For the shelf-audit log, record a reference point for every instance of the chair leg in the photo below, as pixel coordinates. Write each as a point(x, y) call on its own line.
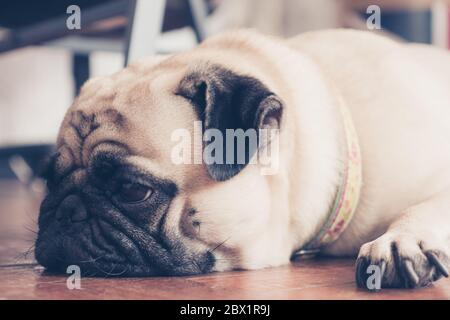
point(144, 26)
point(199, 12)
point(80, 70)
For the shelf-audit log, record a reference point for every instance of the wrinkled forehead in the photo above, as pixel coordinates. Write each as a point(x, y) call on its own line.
point(137, 110)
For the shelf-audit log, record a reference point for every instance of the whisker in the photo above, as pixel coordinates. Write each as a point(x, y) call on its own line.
point(220, 244)
point(110, 273)
point(25, 254)
point(30, 230)
point(92, 260)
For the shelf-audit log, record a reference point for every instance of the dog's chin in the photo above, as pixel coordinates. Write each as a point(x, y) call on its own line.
point(109, 244)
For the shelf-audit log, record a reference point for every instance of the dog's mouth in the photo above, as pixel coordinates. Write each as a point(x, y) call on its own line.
point(97, 248)
point(104, 242)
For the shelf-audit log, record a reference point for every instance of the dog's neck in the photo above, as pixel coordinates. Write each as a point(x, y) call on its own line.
point(316, 151)
point(347, 194)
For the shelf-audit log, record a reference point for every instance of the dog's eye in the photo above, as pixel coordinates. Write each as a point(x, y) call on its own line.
point(134, 192)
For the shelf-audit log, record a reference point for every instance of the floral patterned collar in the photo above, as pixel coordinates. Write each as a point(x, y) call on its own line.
point(347, 195)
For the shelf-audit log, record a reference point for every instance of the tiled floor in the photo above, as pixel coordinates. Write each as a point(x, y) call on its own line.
point(20, 278)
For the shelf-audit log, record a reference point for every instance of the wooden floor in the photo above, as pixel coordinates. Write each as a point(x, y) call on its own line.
point(20, 278)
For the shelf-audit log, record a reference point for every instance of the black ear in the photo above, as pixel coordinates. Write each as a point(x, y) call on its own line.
point(225, 100)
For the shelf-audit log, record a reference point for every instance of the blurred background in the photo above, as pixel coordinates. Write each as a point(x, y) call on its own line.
point(43, 64)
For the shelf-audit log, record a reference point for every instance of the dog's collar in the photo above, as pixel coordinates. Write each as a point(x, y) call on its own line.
point(347, 195)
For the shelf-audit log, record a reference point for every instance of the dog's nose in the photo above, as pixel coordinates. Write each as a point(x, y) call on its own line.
point(72, 209)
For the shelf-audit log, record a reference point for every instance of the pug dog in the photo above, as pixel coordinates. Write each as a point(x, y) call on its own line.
point(362, 136)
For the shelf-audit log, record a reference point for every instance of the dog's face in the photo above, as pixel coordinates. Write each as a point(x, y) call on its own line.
point(118, 203)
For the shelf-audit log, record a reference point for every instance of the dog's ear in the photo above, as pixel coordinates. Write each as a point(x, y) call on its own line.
point(225, 100)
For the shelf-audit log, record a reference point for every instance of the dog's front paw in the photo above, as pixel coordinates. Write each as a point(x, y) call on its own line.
point(401, 261)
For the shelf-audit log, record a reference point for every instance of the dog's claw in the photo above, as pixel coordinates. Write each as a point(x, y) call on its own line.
point(433, 258)
point(382, 268)
point(411, 275)
point(361, 267)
